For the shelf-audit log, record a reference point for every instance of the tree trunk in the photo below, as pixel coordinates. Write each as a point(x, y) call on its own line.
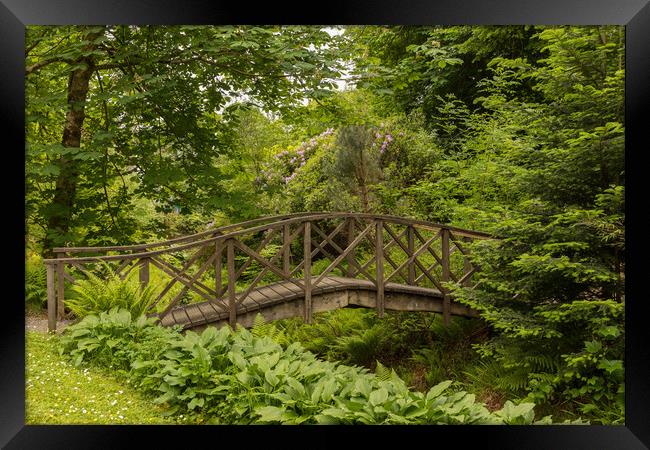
point(66, 184)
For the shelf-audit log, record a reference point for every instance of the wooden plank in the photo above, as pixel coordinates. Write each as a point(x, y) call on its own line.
point(379, 249)
point(60, 294)
point(467, 266)
point(293, 288)
point(69, 277)
point(307, 273)
point(281, 291)
point(51, 298)
point(209, 311)
point(351, 259)
point(411, 248)
point(232, 300)
point(286, 255)
point(194, 313)
point(144, 273)
point(218, 265)
point(446, 301)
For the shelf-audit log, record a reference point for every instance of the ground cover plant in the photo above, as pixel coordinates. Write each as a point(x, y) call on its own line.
point(226, 376)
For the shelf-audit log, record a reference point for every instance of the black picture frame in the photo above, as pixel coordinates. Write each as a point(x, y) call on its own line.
point(634, 14)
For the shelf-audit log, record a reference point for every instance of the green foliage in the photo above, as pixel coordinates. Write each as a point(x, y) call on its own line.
point(35, 282)
point(235, 377)
point(105, 291)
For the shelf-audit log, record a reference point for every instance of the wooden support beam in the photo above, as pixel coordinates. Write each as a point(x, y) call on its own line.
point(144, 273)
point(218, 264)
point(351, 258)
point(446, 301)
point(467, 265)
point(51, 299)
point(307, 273)
point(286, 256)
point(411, 249)
point(379, 258)
point(60, 294)
point(232, 300)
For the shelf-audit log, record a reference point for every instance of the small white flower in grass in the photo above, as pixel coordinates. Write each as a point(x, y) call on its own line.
point(121, 417)
point(114, 402)
point(83, 411)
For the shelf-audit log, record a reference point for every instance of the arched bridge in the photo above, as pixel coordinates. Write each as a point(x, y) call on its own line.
point(284, 266)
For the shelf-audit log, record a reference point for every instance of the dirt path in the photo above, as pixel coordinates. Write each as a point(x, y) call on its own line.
point(38, 322)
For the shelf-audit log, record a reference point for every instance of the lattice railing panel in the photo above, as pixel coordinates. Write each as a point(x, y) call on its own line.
point(226, 267)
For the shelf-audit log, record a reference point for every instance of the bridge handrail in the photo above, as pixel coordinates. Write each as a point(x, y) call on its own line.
point(176, 240)
point(280, 220)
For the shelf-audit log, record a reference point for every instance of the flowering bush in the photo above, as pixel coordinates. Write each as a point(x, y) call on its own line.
point(285, 165)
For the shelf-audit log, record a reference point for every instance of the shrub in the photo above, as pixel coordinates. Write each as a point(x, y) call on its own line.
point(228, 376)
point(35, 282)
point(96, 294)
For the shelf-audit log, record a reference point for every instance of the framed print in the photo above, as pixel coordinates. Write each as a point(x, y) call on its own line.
point(361, 214)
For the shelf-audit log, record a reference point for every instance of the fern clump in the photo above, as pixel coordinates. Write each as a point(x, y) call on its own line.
point(35, 282)
point(96, 294)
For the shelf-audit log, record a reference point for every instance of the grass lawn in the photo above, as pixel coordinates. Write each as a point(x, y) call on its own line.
point(59, 393)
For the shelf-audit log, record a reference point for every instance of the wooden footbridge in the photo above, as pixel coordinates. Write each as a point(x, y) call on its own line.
point(285, 266)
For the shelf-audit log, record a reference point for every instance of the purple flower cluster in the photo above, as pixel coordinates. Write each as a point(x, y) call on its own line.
point(293, 159)
point(385, 138)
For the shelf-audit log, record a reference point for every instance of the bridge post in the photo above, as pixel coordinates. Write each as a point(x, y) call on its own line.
point(144, 273)
point(307, 273)
point(467, 265)
point(60, 305)
point(232, 305)
point(446, 301)
point(411, 249)
point(218, 264)
point(379, 259)
point(286, 257)
point(351, 255)
point(51, 299)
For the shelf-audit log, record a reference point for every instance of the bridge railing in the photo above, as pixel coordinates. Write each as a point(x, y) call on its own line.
point(224, 266)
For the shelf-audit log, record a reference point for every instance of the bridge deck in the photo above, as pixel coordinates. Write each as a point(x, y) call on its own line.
point(199, 314)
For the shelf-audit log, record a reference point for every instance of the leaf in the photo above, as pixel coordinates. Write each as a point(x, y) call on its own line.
point(271, 378)
point(269, 413)
point(378, 397)
point(436, 390)
point(237, 359)
point(195, 402)
point(593, 346)
point(610, 365)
